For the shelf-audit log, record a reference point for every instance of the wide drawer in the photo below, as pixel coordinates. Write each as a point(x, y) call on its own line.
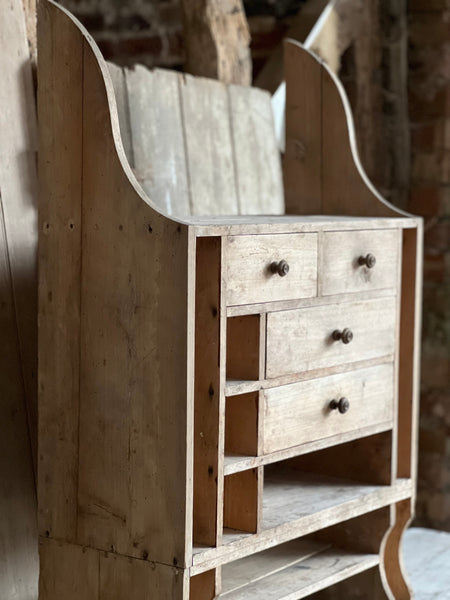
point(302, 339)
point(356, 261)
point(299, 413)
point(252, 262)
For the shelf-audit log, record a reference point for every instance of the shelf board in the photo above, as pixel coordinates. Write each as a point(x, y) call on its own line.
point(297, 506)
point(234, 463)
point(235, 387)
point(291, 571)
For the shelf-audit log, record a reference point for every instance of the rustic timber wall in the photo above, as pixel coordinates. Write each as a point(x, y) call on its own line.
point(389, 43)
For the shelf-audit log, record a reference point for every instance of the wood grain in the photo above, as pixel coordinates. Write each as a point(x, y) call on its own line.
point(340, 270)
point(257, 159)
point(60, 176)
point(209, 150)
point(207, 391)
point(302, 162)
point(300, 412)
point(159, 162)
point(249, 275)
point(301, 340)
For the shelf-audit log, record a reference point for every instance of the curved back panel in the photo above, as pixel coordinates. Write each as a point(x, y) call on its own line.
point(197, 146)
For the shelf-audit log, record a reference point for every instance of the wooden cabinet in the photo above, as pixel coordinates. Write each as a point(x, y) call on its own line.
point(228, 405)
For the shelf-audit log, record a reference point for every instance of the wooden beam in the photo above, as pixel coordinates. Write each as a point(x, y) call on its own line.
point(217, 40)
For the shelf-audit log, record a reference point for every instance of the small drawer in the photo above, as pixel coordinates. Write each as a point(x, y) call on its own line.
point(301, 412)
point(356, 261)
point(304, 339)
point(265, 268)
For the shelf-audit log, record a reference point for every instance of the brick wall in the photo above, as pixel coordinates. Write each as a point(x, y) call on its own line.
point(429, 106)
point(151, 32)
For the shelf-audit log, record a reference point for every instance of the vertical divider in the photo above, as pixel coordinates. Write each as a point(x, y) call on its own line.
point(259, 499)
point(208, 417)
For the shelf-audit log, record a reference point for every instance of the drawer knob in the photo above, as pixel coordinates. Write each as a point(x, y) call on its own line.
point(282, 268)
point(342, 405)
point(346, 335)
point(369, 260)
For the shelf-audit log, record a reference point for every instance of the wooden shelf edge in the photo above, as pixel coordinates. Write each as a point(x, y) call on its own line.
point(209, 558)
point(235, 464)
point(320, 567)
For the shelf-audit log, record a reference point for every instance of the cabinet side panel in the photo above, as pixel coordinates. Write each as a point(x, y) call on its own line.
point(133, 464)
point(61, 566)
point(60, 175)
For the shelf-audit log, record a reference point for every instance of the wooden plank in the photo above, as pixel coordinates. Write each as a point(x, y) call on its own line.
point(257, 159)
point(247, 570)
point(123, 109)
point(301, 340)
point(355, 502)
point(241, 497)
point(60, 174)
point(317, 572)
point(203, 586)
point(300, 412)
point(302, 162)
point(249, 267)
point(123, 577)
point(207, 390)
point(18, 188)
point(243, 347)
point(137, 353)
point(241, 424)
point(209, 150)
point(19, 566)
point(157, 138)
point(68, 571)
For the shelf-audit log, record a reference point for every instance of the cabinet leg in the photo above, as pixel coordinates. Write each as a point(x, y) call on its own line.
point(392, 569)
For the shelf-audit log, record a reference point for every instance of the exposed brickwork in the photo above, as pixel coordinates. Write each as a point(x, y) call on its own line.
point(429, 94)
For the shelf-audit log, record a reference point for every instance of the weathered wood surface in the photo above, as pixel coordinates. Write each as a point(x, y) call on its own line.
point(70, 572)
point(332, 162)
point(218, 153)
point(217, 40)
point(301, 340)
point(300, 413)
point(18, 310)
point(319, 571)
point(113, 415)
point(249, 275)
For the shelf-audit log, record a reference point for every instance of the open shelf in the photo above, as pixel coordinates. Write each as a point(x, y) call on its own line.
point(291, 571)
point(233, 462)
point(293, 508)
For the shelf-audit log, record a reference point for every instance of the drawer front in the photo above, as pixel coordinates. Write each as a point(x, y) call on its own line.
point(342, 253)
point(302, 339)
point(299, 413)
point(251, 262)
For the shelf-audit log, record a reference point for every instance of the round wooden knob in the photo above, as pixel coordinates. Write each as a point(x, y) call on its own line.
point(345, 336)
point(342, 405)
point(282, 268)
point(369, 260)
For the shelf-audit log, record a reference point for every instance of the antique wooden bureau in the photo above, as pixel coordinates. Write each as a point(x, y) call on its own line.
point(228, 404)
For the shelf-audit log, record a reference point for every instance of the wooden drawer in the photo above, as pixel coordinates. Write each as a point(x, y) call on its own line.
point(341, 271)
point(299, 413)
point(302, 339)
point(250, 278)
